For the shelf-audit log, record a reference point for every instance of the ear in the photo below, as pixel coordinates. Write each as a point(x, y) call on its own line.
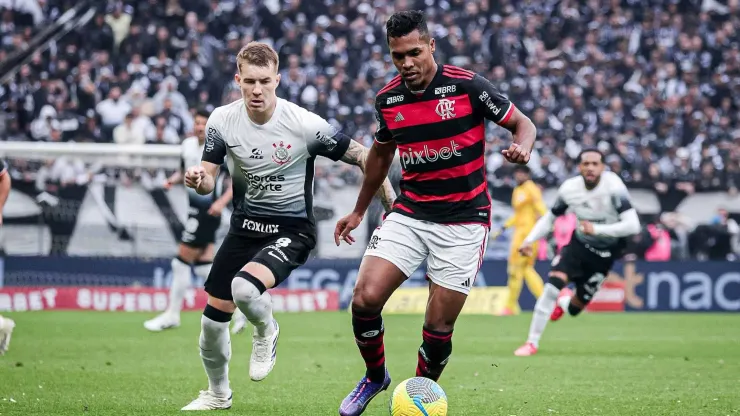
point(432, 45)
point(277, 80)
point(237, 79)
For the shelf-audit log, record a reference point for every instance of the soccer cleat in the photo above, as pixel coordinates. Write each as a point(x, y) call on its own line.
point(356, 402)
point(506, 312)
point(162, 322)
point(6, 330)
point(240, 322)
point(526, 350)
point(558, 312)
point(208, 400)
point(264, 354)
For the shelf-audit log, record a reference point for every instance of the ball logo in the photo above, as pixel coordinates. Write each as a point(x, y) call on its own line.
point(281, 155)
point(445, 109)
point(370, 334)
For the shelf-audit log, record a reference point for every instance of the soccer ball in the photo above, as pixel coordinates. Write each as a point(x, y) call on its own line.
point(418, 396)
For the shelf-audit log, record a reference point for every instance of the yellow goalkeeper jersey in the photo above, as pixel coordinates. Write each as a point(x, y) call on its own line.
point(528, 207)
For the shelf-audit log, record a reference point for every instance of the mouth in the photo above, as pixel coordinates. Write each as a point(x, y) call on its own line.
point(256, 103)
point(411, 76)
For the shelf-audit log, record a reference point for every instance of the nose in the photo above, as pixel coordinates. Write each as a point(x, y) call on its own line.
point(407, 63)
point(257, 90)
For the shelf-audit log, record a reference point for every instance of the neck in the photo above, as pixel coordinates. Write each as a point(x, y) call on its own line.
point(261, 117)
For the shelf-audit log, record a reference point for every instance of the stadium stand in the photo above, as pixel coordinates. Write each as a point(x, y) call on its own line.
point(655, 84)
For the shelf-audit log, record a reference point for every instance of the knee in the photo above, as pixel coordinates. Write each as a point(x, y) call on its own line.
point(440, 325)
point(559, 280)
point(245, 287)
point(366, 300)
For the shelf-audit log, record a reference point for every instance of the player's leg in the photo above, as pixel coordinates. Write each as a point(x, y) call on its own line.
point(515, 271)
point(394, 252)
point(533, 279)
point(202, 269)
point(181, 282)
point(455, 255)
point(6, 330)
point(268, 268)
point(575, 303)
point(215, 340)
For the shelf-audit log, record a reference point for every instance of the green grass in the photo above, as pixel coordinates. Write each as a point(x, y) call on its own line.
point(86, 363)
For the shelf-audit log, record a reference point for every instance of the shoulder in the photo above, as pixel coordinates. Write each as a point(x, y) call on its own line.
point(571, 185)
point(614, 182)
point(455, 72)
point(389, 89)
point(189, 142)
point(298, 117)
point(220, 116)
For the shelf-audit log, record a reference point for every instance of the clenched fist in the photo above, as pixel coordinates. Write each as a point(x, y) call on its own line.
point(194, 176)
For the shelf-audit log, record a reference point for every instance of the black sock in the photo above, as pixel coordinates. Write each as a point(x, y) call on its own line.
point(434, 354)
point(368, 329)
point(573, 310)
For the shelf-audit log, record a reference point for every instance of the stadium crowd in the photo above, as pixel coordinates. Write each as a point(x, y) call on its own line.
point(655, 84)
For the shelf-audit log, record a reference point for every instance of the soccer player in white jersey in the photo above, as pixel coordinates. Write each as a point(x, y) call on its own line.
point(271, 145)
point(195, 252)
point(601, 203)
point(6, 324)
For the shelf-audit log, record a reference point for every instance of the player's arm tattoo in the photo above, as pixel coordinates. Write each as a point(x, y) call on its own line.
point(356, 154)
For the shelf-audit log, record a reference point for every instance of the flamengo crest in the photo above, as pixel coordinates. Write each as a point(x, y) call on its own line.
point(445, 108)
point(281, 155)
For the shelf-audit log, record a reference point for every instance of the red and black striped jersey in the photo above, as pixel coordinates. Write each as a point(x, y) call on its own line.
point(440, 136)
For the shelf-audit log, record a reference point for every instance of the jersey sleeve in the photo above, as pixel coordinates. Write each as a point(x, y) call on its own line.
point(560, 206)
point(489, 101)
point(621, 198)
point(214, 150)
point(323, 139)
point(382, 134)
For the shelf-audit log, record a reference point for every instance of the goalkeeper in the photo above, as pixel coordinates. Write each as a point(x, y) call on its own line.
point(528, 207)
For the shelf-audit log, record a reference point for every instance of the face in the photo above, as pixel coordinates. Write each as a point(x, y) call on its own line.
point(258, 85)
point(200, 127)
point(591, 167)
point(520, 177)
point(413, 56)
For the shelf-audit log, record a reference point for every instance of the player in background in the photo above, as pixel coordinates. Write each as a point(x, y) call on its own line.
point(528, 207)
point(601, 203)
point(6, 324)
point(271, 146)
point(435, 116)
point(195, 252)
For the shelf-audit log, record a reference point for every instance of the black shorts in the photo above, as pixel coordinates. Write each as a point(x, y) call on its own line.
point(281, 253)
point(200, 229)
point(586, 268)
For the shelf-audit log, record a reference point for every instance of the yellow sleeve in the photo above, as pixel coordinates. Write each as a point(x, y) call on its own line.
point(535, 198)
point(510, 221)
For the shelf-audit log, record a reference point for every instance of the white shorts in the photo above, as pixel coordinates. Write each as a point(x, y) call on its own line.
point(454, 252)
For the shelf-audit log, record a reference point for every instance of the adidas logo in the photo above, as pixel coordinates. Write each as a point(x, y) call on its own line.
point(398, 118)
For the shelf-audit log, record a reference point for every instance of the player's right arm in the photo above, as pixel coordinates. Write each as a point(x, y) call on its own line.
point(543, 226)
point(203, 178)
point(378, 163)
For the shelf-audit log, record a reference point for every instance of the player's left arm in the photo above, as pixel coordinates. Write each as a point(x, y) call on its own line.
point(497, 108)
point(4, 188)
point(629, 221)
point(326, 141)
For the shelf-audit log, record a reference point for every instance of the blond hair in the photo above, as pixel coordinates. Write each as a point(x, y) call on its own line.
point(258, 54)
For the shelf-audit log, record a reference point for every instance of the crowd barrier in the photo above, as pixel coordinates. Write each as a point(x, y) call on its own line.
point(31, 283)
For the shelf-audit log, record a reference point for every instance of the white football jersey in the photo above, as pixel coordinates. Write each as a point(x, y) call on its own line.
point(600, 205)
point(191, 152)
point(271, 165)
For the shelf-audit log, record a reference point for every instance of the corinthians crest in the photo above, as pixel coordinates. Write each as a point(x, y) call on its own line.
point(281, 155)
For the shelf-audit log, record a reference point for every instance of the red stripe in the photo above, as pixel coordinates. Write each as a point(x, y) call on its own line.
point(394, 82)
point(427, 334)
point(432, 148)
point(456, 172)
point(457, 197)
point(481, 254)
point(508, 114)
point(456, 75)
point(403, 207)
point(453, 68)
point(425, 112)
point(376, 364)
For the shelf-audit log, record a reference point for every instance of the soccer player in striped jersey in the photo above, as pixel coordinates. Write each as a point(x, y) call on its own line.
point(434, 115)
point(6, 324)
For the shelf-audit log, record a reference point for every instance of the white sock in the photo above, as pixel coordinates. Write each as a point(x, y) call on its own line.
point(542, 311)
point(2, 323)
point(181, 279)
point(202, 270)
point(255, 306)
point(563, 302)
point(215, 351)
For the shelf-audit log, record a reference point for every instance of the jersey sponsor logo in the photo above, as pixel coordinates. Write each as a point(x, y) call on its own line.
point(260, 227)
point(256, 154)
point(281, 155)
point(445, 90)
point(394, 99)
point(211, 136)
point(327, 141)
point(428, 155)
point(264, 183)
point(486, 100)
point(445, 109)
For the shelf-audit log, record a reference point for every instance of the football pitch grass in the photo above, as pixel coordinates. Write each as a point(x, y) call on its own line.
point(93, 363)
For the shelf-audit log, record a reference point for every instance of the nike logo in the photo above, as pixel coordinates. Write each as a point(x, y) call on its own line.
point(229, 146)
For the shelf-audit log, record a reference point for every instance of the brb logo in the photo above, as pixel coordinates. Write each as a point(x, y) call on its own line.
point(427, 155)
point(445, 109)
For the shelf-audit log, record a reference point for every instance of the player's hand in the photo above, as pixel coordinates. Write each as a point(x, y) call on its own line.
point(516, 154)
point(216, 209)
point(345, 225)
point(586, 227)
point(194, 176)
point(526, 250)
point(167, 185)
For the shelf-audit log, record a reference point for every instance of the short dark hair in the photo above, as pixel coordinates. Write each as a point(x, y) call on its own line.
point(203, 113)
point(402, 23)
point(522, 168)
point(590, 150)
